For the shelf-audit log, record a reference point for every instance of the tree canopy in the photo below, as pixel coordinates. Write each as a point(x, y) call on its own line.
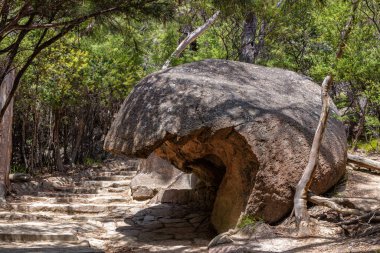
point(76, 61)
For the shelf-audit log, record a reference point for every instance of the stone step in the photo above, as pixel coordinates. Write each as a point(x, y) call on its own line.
point(38, 231)
point(123, 191)
point(115, 169)
point(112, 178)
point(17, 216)
point(77, 189)
point(101, 193)
point(70, 208)
point(65, 195)
point(78, 199)
point(13, 216)
point(48, 247)
point(104, 184)
point(114, 173)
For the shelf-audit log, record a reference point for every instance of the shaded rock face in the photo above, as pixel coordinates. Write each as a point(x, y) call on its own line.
point(244, 128)
point(162, 183)
point(156, 174)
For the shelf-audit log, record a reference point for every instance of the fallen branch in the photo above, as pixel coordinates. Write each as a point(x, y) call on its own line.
point(370, 231)
point(190, 38)
point(363, 162)
point(331, 203)
point(369, 217)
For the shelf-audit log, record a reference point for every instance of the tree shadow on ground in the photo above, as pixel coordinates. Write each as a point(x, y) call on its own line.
point(168, 228)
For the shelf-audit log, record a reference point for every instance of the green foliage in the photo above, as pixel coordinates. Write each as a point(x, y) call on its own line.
point(369, 146)
point(92, 69)
point(248, 220)
point(17, 168)
point(88, 161)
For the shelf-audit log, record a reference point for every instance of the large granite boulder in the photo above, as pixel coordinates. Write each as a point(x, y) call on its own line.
point(244, 128)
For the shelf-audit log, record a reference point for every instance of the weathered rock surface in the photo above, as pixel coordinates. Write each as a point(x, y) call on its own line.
point(247, 129)
point(155, 175)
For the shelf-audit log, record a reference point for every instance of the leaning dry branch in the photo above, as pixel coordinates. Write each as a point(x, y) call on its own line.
point(300, 197)
point(363, 162)
point(190, 38)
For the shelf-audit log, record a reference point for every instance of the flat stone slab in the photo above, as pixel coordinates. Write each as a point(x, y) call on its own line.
point(69, 209)
point(37, 231)
point(113, 173)
point(48, 247)
point(18, 216)
point(78, 199)
point(113, 177)
point(104, 184)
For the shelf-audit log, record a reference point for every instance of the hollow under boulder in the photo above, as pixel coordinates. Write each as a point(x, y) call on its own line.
point(244, 128)
point(155, 176)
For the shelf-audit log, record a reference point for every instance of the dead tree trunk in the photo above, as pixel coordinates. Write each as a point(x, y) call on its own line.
point(190, 38)
point(5, 135)
point(300, 197)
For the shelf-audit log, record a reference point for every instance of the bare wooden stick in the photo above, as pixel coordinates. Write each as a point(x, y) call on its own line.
point(300, 197)
point(190, 38)
point(363, 162)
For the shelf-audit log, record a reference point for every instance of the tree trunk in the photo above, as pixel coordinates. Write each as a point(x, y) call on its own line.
point(248, 39)
point(250, 49)
point(34, 150)
point(5, 135)
point(78, 139)
point(56, 143)
point(362, 103)
point(23, 143)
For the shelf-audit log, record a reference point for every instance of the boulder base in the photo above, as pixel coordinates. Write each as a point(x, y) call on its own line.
point(156, 175)
point(243, 129)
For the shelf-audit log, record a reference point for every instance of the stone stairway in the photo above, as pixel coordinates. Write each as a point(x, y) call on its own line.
point(70, 218)
point(95, 213)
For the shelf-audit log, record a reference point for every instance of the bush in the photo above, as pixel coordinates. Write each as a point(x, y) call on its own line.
point(370, 146)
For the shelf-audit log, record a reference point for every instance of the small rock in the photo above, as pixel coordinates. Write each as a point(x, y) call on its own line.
point(220, 239)
point(142, 193)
